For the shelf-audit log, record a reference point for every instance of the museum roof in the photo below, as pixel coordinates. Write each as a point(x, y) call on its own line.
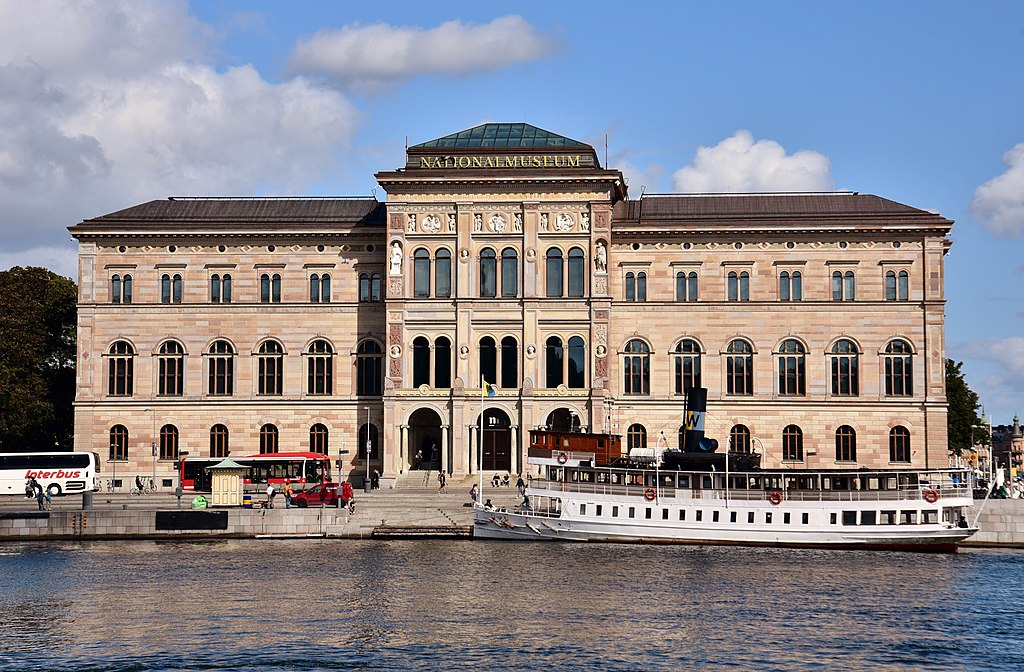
point(502, 135)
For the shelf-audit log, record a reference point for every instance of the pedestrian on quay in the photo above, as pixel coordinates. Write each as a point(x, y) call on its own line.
point(49, 500)
point(520, 485)
point(442, 483)
point(138, 484)
point(346, 493)
point(375, 480)
point(177, 493)
point(39, 494)
point(419, 460)
point(270, 496)
point(474, 493)
point(288, 495)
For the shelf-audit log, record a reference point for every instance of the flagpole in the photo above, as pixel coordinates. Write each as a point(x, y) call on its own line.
point(480, 442)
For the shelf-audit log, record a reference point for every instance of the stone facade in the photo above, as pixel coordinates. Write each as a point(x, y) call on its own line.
point(558, 348)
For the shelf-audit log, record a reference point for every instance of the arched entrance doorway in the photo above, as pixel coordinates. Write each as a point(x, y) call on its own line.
point(496, 443)
point(563, 420)
point(424, 440)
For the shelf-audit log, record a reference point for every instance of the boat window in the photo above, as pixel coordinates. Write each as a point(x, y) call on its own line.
point(908, 517)
point(868, 517)
point(808, 483)
point(664, 514)
point(930, 517)
point(682, 514)
point(684, 480)
point(750, 517)
point(705, 482)
point(700, 516)
point(873, 483)
point(849, 517)
point(632, 512)
point(598, 512)
point(768, 517)
point(785, 518)
point(583, 509)
point(647, 513)
point(890, 483)
point(615, 512)
point(714, 516)
point(832, 518)
point(732, 516)
point(805, 518)
point(826, 484)
point(888, 518)
point(755, 483)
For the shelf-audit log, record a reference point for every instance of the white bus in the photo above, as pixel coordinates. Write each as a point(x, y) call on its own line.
point(59, 473)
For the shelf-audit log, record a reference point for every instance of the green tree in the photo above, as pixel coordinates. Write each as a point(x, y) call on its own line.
point(38, 313)
point(963, 411)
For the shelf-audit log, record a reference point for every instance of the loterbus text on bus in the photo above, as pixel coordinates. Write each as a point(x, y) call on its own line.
point(58, 473)
point(273, 468)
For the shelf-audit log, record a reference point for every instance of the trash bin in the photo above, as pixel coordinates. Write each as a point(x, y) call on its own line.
point(86, 500)
point(246, 501)
point(366, 486)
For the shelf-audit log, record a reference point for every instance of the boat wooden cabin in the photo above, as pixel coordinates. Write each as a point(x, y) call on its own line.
point(606, 449)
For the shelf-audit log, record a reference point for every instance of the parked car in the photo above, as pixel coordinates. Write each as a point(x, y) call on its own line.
point(325, 494)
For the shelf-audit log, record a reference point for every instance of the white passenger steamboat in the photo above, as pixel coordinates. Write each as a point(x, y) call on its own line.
point(589, 493)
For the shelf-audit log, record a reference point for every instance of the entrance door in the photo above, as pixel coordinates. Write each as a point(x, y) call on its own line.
point(496, 446)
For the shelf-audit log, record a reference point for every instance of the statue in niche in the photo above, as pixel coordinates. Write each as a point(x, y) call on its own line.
point(543, 221)
point(585, 221)
point(451, 222)
point(396, 258)
point(412, 223)
point(497, 223)
point(478, 222)
point(431, 223)
point(563, 222)
point(601, 258)
point(517, 223)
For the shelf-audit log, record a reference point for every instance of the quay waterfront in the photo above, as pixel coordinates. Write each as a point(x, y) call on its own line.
point(398, 513)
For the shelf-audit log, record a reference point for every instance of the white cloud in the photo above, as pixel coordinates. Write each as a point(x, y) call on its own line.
point(738, 164)
point(380, 53)
point(647, 180)
point(999, 203)
point(110, 103)
point(1005, 383)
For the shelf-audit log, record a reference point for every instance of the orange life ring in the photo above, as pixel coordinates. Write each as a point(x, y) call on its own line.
point(650, 494)
point(562, 458)
point(931, 496)
point(775, 497)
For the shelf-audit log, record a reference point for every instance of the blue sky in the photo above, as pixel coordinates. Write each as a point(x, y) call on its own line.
point(114, 102)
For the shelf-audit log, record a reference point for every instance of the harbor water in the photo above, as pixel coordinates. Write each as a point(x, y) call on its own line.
point(433, 605)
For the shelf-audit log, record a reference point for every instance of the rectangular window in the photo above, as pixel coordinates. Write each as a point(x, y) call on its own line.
point(832, 518)
point(868, 517)
point(682, 514)
point(888, 518)
point(598, 511)
point(785, 518)
point(930, 517)
point(714, 516)
point(615, 512)
point(908, 517)
point(768, 517)
point(632, 512)
point(849, 517)
point(664, 514)
point(647, 513)
point(700, 515)
point(583, 509)
point(805, 518)
point(732, 516)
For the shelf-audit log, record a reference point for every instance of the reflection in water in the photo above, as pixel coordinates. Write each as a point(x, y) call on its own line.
point(248, 604)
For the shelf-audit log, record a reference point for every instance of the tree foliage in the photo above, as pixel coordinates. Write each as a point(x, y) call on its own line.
point(962, 420)
point(38, 313)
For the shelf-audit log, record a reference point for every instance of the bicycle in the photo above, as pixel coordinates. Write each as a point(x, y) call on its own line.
point(149, 487)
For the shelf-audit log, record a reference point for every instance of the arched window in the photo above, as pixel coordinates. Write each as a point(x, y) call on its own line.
point(489, 360)
point(121, 288)
point(792, 374)
point(364, 287)
point(554, 361)
point(376, 292)
point(636, 286)
point(270, 379)
point(115, 289)
point(844, 286)
point(553, 272)
point(268, 439)
point(319, 288)
point(739, 368)
point(630, 286)
point(792, 444)
point(577, 272)
point(899, 369)
point(686, 286)
point(168, 442)
point(443, 274)
point(121, 369)
point(170, 288)
point(270, 288)
point(488, 273)
point(320, 368)
point(219, 441)
point(636, 368)
point(119, 442)
point(509, 273)
point(636, 436)
point(318, 436)
point(442, 362)
point(739, 439)
point(220, 288)
point(509, 363)
point(421, 273)
point(171, 370)
point(369, 433)
point(577, 363)
point(221, 368)
point(369, 369)
point(687, 365)
point(790, 286)
point(420, 361)
point(897, 287)
point(845, 368)
point(846, 444)
point(899, 444)
point(738, 286)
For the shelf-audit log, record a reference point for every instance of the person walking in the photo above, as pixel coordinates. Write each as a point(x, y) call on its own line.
point(442, 483)
point(288, 495)
point(474, 493)
point(270, 496)
point(520, 485)
point(375, 480)
point(38, 488)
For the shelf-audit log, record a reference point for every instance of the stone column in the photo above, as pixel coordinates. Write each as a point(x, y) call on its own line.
point(473, 448)
point(402, 443)
point(445, 433)
point(517, 459)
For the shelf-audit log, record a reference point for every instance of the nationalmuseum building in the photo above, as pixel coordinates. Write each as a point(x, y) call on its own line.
point(508, 254)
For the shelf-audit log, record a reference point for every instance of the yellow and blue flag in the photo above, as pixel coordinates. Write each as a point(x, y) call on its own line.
point(490, 390)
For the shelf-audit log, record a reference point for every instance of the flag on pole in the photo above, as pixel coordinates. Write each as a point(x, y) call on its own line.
point(490, 390)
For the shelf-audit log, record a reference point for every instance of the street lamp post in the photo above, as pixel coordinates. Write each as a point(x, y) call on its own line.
point(368, 444)
point(152, 444)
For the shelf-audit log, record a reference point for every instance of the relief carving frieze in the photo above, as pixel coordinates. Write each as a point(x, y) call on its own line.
point(601, 367)
point(395, 334)
point(395, 288)
point(395, 368)
point(397, 222)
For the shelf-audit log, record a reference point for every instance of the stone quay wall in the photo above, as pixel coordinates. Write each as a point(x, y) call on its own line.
point(1001, 523)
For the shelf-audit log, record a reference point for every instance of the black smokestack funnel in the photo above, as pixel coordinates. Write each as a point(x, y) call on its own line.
point(696, 408)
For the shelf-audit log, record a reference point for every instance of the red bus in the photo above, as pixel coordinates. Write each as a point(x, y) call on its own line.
point(273, 468)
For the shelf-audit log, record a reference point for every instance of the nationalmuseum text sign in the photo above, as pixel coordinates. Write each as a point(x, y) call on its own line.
point(508, 161)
